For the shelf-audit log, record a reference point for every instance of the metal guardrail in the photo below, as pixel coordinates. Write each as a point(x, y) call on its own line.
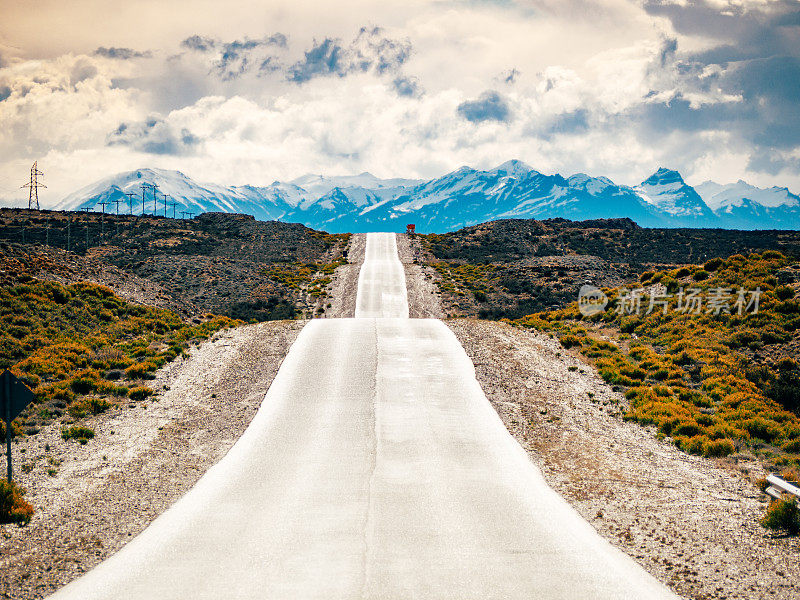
point(778, 488)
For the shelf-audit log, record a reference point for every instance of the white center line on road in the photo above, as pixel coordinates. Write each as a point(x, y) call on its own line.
point(374, 469)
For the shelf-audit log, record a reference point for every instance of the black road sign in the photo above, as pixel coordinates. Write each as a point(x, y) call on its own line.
point(14, 397)
point(21, 396)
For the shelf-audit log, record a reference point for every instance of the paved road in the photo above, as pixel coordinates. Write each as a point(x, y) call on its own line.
point(375, 469)
point(382, 280)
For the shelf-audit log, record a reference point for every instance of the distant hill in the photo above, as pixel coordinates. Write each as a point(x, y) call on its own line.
point(458, 199)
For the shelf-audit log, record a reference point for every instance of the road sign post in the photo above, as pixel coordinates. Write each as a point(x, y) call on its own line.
point(15, 397)
point(7, 411)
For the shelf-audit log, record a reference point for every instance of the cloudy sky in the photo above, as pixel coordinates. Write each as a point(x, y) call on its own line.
point(254, 91)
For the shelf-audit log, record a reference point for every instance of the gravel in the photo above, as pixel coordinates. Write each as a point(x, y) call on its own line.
point(344, 285)
point(423, 294)
point(142, 459)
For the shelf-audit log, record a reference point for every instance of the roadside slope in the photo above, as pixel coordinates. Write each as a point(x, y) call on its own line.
point(344, 287)
point(423, 294)
point(143, 459)
point(690, 521)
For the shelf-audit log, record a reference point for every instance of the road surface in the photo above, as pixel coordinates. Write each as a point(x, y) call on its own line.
point(374, 469)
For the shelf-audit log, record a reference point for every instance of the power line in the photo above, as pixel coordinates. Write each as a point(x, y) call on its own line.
point(33, 187)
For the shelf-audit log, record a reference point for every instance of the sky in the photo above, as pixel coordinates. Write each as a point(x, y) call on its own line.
point(257, 91)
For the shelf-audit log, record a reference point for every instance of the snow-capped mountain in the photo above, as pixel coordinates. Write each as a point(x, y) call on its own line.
point(513, 190)
point(745, 206)
point(463, 197)
point(319, 185)
point(266, 203)
point(670, 194)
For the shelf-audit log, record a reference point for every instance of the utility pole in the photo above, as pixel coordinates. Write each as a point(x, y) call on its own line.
point(33, 187)
point(104, 203)
point(130, 196)
point(116, 202)
point(173, 204)
point(144, 187)
point(155, 193)
point(165, 205)
point(7, 402)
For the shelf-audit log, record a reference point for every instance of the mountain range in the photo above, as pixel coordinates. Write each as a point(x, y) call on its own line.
point(458, 199)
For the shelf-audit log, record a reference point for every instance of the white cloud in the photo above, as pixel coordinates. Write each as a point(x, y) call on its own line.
point(585, 75)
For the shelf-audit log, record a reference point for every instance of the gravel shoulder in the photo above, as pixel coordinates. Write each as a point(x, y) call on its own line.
point(343, 288)
point(142, 459)
point(690, 521)
point(423, 294)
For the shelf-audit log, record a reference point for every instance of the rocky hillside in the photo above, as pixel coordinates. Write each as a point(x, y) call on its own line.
point(511, 268)
point(216, 262)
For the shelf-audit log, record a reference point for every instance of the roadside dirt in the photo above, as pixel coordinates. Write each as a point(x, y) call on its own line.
point(344, 285)
point(423, 294)
point(90, 500)
point(690, 521)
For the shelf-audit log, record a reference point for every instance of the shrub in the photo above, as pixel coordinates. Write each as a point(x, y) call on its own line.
point(782, 515)
point(718, 448)
point(693, 445)
point(700, 275)
point(792, 446)
point(93, 406)
point(77, 432)
point(687, 428)
point(784, 292)
point(140, 393)
point(13, 507)
point(569, 341)
point(114, 374)
point(83, 384)
point(761, 428)
point(138, 370)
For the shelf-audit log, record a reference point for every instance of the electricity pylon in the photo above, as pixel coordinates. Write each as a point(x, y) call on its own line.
point(33, 187)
